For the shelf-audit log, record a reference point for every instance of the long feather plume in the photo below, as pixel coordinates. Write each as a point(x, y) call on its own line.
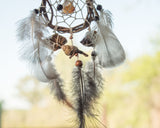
point(94, 88)
point(109, 50)
point(32, 31)
point(79, 96)
point(85, 101)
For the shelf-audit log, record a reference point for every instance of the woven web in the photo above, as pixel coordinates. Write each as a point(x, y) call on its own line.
point(68, 20)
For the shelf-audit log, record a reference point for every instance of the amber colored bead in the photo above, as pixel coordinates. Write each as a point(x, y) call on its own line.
point(79, 63)
point(68, 7)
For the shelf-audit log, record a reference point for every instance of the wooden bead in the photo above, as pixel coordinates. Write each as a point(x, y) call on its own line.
point(99, 7)
point(59, 7)
point(71, 37)
point(79, 63)
point(36, 11)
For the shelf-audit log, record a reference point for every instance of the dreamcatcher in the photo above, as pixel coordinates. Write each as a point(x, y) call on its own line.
point(44, 32)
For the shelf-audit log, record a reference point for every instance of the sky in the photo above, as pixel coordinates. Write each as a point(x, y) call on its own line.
point(135, 23)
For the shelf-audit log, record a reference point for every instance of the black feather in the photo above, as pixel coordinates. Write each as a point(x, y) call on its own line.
point(86, 91)
point(78, 95)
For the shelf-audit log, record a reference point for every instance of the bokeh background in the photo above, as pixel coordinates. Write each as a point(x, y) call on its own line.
point(131, 97)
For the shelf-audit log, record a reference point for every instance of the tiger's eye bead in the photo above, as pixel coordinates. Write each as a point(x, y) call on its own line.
point(59, 7)
point(99, 7)
point(68, 7)
point(79, 63)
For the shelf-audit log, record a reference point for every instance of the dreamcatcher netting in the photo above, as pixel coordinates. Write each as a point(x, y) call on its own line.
point(46, 30)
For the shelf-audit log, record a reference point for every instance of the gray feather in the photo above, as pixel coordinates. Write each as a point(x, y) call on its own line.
point(33, 31)
point(110, 51)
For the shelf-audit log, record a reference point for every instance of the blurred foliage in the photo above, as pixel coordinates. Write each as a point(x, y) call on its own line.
point(133, 94)
point(31, 90)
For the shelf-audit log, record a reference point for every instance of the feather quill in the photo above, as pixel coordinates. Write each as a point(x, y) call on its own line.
point(32, 31)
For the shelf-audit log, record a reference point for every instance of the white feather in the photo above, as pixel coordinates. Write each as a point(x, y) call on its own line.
point(35, 50)
point(109, 50)
point(107, 17)
point(32, 31)
point(31, 27)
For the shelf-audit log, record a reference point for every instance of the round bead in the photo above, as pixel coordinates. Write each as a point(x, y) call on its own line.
point(96, 18)
point(79, 63)
point(99, 7)
point(36, 11)
point(71, 37)
point(59, 7)
point(93, 54)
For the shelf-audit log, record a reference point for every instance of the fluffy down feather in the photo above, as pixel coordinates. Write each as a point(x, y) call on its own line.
point(31, 27)
point(32, 31)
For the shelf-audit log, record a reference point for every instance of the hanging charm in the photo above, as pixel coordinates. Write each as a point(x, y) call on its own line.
point(70, 50)
point(45, 31)
point(56, 41)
